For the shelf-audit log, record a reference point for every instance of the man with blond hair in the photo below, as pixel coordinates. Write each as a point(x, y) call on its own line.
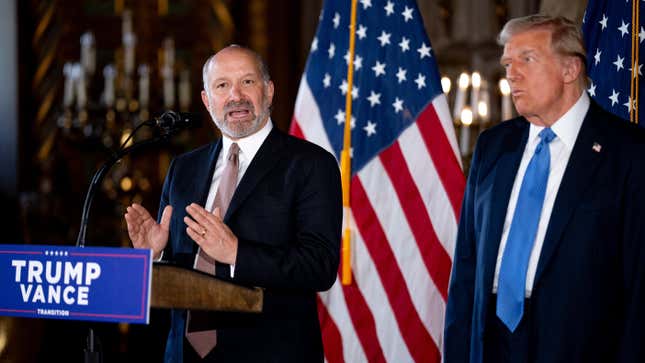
point(550, 258)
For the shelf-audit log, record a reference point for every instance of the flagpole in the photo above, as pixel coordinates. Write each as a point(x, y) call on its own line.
point(633, 108)
point(345, 160)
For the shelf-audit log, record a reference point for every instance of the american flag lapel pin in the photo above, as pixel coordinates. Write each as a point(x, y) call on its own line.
point(596, 147)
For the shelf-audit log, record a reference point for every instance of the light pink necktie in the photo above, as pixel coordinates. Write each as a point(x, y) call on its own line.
point(205, 341)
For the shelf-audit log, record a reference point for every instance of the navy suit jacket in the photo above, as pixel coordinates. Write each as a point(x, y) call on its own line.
point(588, 299)
point(286, 213)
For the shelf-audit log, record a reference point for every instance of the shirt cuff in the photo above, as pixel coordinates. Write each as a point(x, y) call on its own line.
point(232, 270)
point(158, 259)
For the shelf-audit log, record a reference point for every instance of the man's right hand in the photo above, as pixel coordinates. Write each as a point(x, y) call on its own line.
point(144, 231)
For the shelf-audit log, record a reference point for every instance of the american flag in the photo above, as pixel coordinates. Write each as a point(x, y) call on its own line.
point(607, 28)
point(406, 185)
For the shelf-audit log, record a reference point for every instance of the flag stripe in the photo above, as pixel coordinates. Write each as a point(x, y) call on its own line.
point(419, 342)
point(295, 129)
point(388, 209)
point(363, 322)
point(368, 281)
point(331, 335)
point(334, 300)
point(306, 110)
point(442, 109)
point(444, 160)
point(431, 188)
point(437, 261)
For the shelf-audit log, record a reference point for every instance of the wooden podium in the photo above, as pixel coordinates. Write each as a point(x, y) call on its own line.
point(178, 287)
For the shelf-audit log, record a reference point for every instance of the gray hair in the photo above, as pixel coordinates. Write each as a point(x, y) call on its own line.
point(262, 66)
point(566, 37)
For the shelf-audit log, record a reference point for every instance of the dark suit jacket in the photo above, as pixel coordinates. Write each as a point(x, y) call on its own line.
point(588, 299)
point(286, 213)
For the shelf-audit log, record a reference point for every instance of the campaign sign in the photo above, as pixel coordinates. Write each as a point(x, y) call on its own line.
point(76, 283)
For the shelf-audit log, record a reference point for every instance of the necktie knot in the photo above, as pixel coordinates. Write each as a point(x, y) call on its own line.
point(547, 135)
point(233, 151)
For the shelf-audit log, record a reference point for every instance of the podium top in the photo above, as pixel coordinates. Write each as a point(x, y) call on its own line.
point(178, 287)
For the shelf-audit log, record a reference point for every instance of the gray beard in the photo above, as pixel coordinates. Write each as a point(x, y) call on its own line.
point(238, 133)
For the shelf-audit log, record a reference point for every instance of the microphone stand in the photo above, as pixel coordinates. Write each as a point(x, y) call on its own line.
point(91, 353)
point(167, 129)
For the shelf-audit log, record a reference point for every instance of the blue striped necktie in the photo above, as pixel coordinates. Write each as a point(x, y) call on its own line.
point(515, 260)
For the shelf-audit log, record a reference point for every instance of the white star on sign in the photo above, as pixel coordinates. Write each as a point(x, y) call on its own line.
point(361, 32)
point(405, 44)
point(614, 97)
point(424, 51)
point(370, 128)
point(603, 22)
point(389, 8)
point(623, 29)
point(618, 63)
point(420, 81)
point(374, 98)
point(398, 105)
point(596, 56)
point(354, 92)
point(641, 35)
point(384, 38)
point(327, 80)
point(331, 51)
point(379, 69)
point(407, 14)
point(314, 45)
point(400, 75)
point(366, 3)
point(592, 90)
point(336, 20)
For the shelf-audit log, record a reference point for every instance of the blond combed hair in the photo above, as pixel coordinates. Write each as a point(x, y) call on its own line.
point(566, 37)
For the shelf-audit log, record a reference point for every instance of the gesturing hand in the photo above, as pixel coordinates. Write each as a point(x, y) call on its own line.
point(144, 231)
point(211, 234)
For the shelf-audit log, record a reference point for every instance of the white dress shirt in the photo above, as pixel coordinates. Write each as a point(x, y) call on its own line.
point(249, 146)
point(566, 129)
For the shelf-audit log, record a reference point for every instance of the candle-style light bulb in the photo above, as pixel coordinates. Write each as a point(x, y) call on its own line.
point(445, 84)
point(466, 121)
point(464, 81)
point(505, 89)
point(460, 98)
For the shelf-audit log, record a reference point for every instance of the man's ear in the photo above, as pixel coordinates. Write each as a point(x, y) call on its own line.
point(571, 69)
point(270, 91)
point(205, 100)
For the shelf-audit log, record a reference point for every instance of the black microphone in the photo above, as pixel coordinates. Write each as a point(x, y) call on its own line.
point(175, 121)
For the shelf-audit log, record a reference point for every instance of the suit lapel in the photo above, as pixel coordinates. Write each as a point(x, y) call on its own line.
point(204, 176)
point(267, 156)
point(581, 167)
point(200, 178)
point(505, 170)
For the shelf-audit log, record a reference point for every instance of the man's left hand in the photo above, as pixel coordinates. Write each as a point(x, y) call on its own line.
point(211, 234)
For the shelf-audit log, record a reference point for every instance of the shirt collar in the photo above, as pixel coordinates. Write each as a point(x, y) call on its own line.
point(249, 145)
point(566, 128)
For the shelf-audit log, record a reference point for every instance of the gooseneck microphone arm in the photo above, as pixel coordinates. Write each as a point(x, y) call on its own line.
point(169, 123)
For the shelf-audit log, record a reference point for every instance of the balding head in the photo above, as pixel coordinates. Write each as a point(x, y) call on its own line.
point(263, 69)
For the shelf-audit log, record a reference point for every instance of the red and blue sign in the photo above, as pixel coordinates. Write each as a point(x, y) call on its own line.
point(72, 283)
